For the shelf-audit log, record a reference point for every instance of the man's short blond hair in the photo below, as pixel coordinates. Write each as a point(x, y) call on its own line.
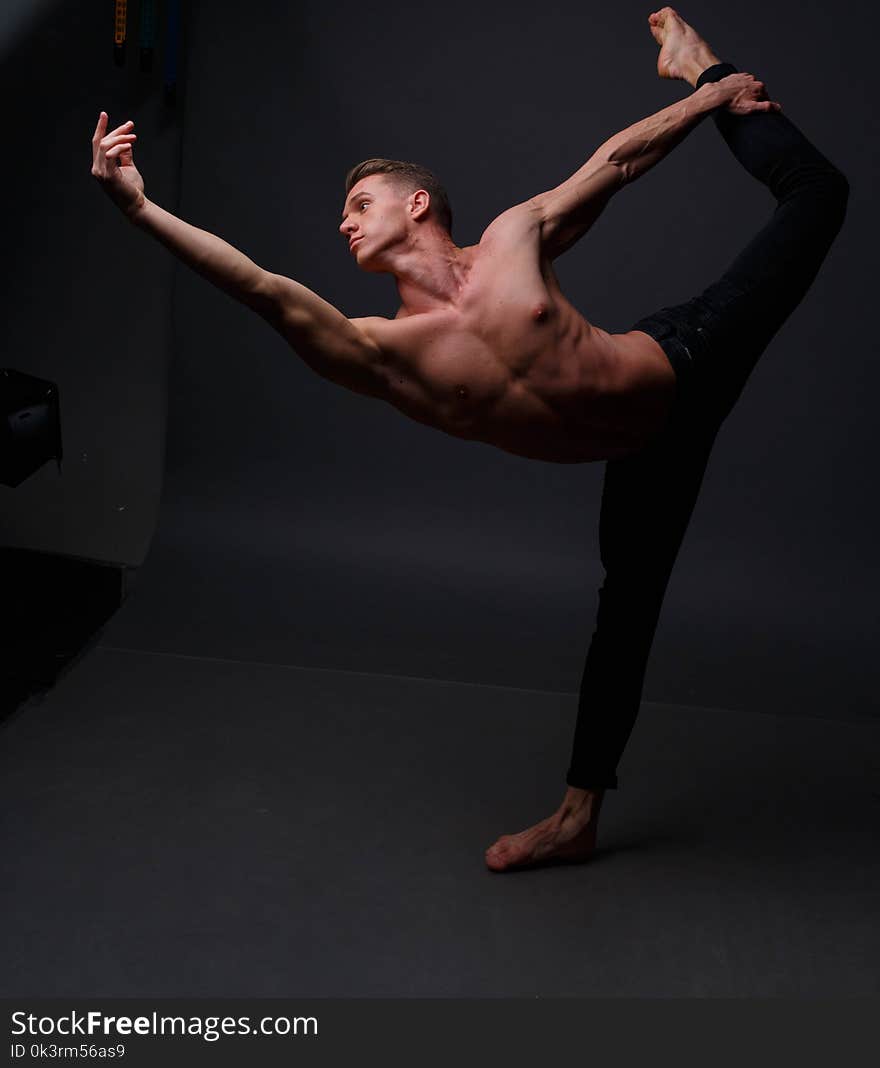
point(410, 177)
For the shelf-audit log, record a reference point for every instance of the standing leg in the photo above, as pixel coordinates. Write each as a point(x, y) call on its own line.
point(647, 502)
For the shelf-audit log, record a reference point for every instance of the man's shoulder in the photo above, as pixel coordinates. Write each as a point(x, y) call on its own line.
point(365, 321)
point(371, 327)
point(512, 224)
point(384, 332)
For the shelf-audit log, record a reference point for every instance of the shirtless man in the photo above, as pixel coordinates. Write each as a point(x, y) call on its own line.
point(485, 346)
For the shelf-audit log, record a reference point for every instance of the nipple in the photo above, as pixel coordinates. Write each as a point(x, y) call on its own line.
point(540, 312)
point(462, 392)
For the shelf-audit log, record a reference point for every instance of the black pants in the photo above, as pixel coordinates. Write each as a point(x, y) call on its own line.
point(713, 342)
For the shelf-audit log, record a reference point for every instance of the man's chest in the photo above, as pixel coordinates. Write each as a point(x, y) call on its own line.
point(506, 314)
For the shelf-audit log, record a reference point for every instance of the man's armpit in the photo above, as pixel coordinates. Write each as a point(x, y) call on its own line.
point(335, 347)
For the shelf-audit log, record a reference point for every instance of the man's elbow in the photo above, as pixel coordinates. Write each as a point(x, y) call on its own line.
point(263, 294)
point(538, 207)
point(549, 214)
point(627, 172)
point(625, 159)
point(622, 170)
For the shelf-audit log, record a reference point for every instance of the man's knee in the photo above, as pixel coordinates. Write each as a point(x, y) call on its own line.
point(817, 179)
point(830, 198)
point(835, 186)
point(839, 191)
point(821, 197)
point(839, 182)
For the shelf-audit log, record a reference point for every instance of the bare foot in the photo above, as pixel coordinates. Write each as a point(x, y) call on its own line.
point(568, 836)
point(683, 52)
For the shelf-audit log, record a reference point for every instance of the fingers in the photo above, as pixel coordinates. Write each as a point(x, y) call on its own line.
point(749, 107)
point(111, 147)
point(112, 142)
point(747, 81)
point(117, 150)
point(101, 128)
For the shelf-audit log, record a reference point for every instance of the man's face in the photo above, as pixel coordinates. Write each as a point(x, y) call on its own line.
point(374, 220)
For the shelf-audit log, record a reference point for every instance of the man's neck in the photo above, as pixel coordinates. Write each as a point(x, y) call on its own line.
point(430, 276)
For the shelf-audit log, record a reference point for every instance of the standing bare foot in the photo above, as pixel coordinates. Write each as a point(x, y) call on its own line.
point(569, 835)
point(683, 53)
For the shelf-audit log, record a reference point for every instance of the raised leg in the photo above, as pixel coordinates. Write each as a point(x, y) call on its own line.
point(774, 271)
point(729, 325)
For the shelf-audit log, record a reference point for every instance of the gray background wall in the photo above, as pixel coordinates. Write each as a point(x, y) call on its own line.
point(85, 303)
point(301, 524)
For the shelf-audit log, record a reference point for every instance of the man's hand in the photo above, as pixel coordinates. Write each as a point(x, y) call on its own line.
point(743, 94)
point(113, 165)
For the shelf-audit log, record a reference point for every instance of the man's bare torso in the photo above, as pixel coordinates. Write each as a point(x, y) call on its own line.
point(512, 363)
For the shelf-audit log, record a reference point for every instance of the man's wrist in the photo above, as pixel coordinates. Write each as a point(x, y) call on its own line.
point(710, 95)
point(134, 214)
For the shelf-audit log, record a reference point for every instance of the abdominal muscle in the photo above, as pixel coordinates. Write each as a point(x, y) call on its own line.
point(621, 403)
point(514, 364)
point(546, 384)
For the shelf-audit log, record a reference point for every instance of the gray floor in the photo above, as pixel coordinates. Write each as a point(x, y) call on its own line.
point(187, 826)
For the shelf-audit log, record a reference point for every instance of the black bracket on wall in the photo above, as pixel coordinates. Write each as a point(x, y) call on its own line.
point(30, 425)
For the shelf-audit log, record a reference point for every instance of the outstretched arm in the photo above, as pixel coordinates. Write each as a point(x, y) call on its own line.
point(569, 210)
point(332, 345)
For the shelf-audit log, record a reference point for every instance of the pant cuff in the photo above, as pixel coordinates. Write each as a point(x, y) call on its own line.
point(586, 780)
point(715, 73)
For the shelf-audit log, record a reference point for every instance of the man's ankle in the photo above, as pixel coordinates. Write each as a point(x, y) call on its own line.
point(578, 801)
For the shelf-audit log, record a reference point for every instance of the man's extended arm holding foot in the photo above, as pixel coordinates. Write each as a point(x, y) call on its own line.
point(569, 210)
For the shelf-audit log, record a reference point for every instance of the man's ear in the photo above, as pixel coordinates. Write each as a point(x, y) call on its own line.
point(419, 202)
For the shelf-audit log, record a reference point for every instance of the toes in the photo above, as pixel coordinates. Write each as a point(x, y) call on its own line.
point(496, 857)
